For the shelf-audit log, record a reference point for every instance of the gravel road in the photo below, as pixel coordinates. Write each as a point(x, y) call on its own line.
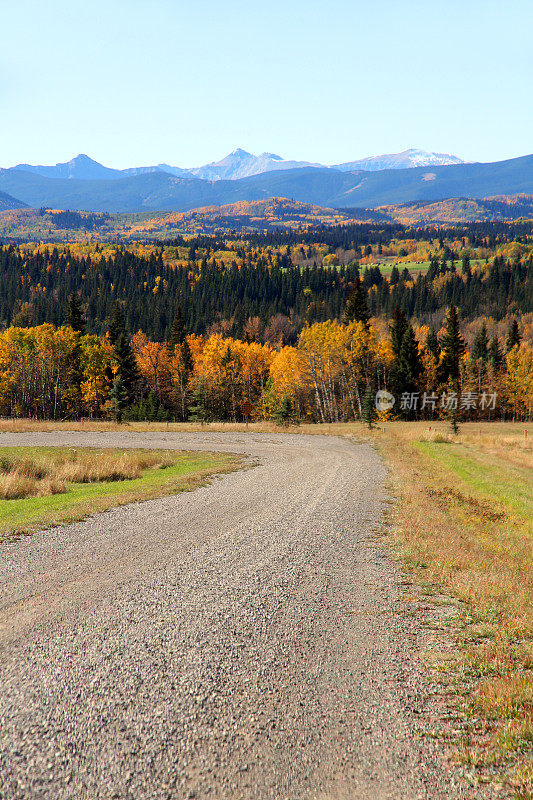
point(245, 640)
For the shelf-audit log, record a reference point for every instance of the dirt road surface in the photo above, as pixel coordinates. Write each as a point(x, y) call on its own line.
point(245, 640)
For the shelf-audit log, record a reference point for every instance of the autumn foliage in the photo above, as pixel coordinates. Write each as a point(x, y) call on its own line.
point(58, 373)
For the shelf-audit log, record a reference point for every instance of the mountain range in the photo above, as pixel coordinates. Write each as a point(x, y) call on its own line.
point(84, 184)
point(237, 164)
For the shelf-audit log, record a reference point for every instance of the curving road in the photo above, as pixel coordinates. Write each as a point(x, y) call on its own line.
point(244, 640)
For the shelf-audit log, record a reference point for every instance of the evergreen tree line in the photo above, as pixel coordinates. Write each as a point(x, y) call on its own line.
point(236, 280)
point(34, 288)
point(505, 286)
point(356, 235)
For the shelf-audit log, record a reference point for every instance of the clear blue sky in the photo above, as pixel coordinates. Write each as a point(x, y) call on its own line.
point(133, 82)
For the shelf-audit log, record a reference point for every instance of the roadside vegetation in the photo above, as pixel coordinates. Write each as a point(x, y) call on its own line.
point(42, 486)
point(464, 526)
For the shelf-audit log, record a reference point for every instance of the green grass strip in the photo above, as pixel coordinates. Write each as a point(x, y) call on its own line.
point(83, 499)
point(486, 478)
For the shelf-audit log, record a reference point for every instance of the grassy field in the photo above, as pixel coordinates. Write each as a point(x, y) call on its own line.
point(463, 525)
point(41, 486)
point(416, 267)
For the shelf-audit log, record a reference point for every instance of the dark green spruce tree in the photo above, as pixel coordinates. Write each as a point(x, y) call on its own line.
point(117, 324)
point(480, 348)
point(397, 328)
point(76, 319)
point(127, 367)
point(178, 341)
point(433, 270)
point(178, 331)
point(74, 314)
point(432, 344)
point(369, 407)
point(400, 380)
point(199, 407)
point(513, 336)
point(409, 361)
point(357, 305)
point(118, 397)
point(284, 413)
point(394, 276)
point(495, 355)
point(179, 346)
point(407, 369)
point(453, 348)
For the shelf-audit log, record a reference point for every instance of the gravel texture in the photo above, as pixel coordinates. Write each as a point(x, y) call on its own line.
point(245, 640)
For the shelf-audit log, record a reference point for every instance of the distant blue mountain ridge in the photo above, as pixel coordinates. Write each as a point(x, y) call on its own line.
point(237, 164)
point(84, 184)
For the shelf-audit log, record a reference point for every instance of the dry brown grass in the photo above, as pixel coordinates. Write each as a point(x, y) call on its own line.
point(25, 477)
point(103, 479)
point(103, 426)
point(13, 486)
point(90, 468)
point(47, 473)
point(463, 525)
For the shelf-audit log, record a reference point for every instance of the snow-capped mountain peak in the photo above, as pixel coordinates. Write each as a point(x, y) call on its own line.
point(239, 153)
point(241, 164)
point(407, 159)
